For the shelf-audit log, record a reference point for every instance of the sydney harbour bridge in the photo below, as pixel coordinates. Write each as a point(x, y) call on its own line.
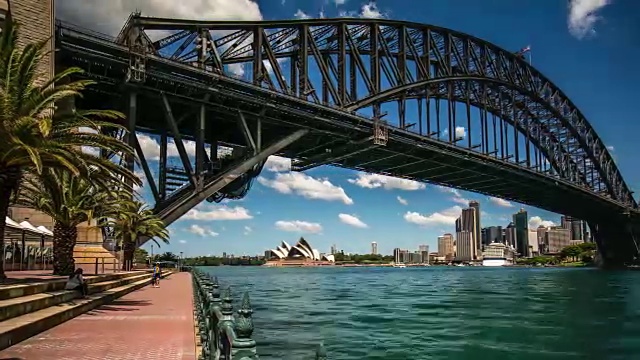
point(389, 97)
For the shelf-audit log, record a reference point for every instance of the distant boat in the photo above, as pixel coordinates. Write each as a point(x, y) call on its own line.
point(399, 265)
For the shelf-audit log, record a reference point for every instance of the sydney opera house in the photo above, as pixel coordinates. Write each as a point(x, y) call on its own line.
point(300, 254)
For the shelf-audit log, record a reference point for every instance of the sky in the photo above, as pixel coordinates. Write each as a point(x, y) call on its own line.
point(586, 47)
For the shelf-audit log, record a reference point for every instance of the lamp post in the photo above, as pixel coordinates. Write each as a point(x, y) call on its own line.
point(181, 260)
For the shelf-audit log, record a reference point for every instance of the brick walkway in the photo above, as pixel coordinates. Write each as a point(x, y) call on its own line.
point(151, 323)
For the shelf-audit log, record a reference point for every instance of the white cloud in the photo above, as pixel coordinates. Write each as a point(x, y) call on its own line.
point(306, 186)
point(371, 11)
point(301, 15)
point(461, 132)
point(402, 200)
point(218, 213)
point(298, 226)
point(457, 196)
point(202, 231)
point(352, 220)
point(371, 181)
point(278, 164)
point(182, 241)
point(142, 178)
point(109, 16)
point(583, 15)
point(536, 221)
point(500, 202)
point(444, 217)
point(339, 2)
point(611, 148)
point(248, 230)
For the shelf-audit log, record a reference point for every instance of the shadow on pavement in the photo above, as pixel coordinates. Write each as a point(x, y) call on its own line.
point(120, 305)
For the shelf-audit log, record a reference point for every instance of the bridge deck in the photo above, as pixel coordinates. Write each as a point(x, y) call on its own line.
point(151, 323)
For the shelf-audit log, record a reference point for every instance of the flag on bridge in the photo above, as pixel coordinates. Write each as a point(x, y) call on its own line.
point(524, 51)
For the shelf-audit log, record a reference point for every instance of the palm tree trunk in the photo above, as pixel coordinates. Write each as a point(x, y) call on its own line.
point(128, 249)
point(64, 240)
point(9, 179)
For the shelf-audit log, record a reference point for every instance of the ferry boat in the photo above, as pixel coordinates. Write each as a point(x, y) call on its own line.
point(399, 265)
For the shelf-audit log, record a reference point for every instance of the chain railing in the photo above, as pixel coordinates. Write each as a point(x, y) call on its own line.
point(221, 334)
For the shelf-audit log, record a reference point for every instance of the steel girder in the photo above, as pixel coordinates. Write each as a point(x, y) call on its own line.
point(354, 64)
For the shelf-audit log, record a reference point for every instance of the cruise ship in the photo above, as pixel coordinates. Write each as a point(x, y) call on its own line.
point(497, 254)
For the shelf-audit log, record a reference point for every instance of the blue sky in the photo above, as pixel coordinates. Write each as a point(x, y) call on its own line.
point(587, 49)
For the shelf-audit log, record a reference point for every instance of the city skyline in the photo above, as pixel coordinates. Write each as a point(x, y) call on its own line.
point(350, 209)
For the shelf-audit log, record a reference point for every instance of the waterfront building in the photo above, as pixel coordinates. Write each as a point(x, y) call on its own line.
point(510, 235)
point(556, 238)
point(497, 254)
point(445, 247)
point(299, 254)
point(532, 239)
point(540, 235)
point(476, 227)
point(374, 248)
point(401, 256)
point(492, 234)
point(520, 220)
point(466, 250)
point(467, 223)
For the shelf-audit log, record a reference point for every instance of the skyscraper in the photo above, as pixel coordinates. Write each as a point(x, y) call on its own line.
point(477, 228)
point(520, 220)
point(492, 234)
point(465, 250)
point(467, 222)
point(374, 248)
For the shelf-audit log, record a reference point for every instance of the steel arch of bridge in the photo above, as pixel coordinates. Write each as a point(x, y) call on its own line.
point(396, 61)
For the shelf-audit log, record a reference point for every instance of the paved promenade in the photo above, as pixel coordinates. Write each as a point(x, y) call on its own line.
point(151, 323)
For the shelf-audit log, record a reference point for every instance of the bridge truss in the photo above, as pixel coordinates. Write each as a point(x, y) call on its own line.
point(395, 98)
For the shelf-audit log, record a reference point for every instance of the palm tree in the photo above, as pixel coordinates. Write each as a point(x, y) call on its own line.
point(70, 201)
point(133, 220)
point(33, 139)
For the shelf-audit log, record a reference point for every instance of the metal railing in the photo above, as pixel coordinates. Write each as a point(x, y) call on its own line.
point(221, 334)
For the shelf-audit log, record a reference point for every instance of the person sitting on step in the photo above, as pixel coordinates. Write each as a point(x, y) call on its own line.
point(77, 282)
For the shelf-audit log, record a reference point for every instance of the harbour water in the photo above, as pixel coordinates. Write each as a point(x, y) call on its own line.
point(441, 312)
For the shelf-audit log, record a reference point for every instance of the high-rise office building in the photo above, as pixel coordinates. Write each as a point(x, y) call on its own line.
point(423, 248)
point(465, 249)
point(467, 222)
point(445, 246)
point(520, 220)
point(334, 249)
point(396, 255)
point(577, 227)
point(492, 234)
point(477, 228)
point(374, 248)
point(510, 235)
point(557, 238)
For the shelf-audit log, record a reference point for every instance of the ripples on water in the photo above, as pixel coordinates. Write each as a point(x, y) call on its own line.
point(441, 312)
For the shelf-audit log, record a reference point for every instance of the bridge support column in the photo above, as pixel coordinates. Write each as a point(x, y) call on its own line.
point(617, 245)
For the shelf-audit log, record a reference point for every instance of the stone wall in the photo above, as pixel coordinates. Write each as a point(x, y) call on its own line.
point(37, 23)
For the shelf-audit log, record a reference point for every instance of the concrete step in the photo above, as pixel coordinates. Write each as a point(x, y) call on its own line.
point(18, 290)
point(17, 329)
point(18, 306)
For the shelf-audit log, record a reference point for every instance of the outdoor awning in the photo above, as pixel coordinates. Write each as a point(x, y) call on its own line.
point(12, 224)
point(27, 226)
point(45, 230)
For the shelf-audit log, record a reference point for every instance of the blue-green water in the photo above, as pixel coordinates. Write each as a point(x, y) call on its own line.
point(441, 313)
